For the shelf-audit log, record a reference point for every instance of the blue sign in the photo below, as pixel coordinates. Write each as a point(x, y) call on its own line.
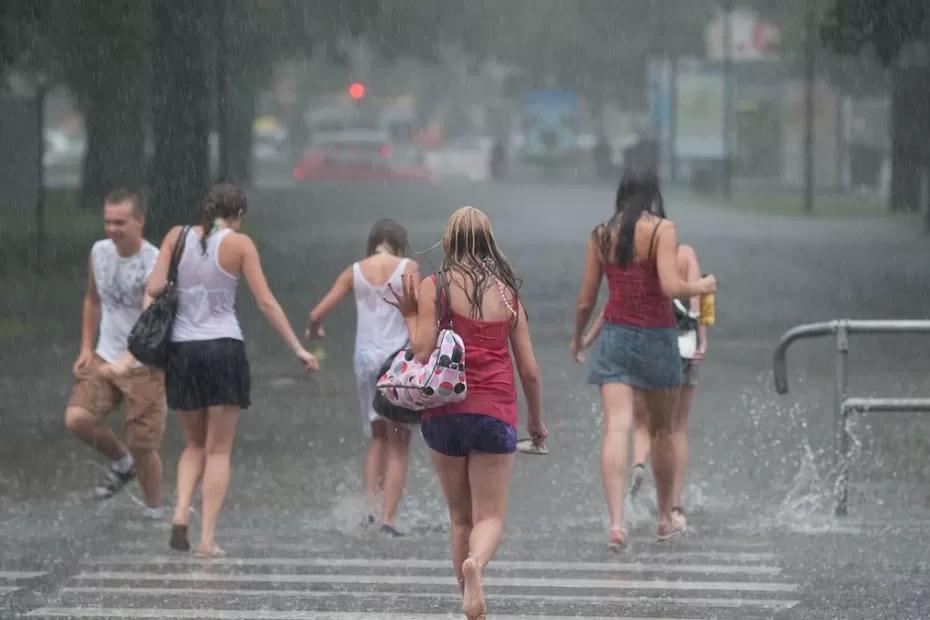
point(550, 119)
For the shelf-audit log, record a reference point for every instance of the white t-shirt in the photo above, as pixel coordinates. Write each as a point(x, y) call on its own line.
point(120, 284)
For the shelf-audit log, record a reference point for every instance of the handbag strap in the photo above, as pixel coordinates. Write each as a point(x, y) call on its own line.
point(443, 303)
point(176, 256)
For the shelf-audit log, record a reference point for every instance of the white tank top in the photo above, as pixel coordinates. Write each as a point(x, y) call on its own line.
point(380, 328)
point(206, 293)
point(120, 283)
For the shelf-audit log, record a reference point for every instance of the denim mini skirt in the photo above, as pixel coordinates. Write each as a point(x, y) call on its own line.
point(642, 357)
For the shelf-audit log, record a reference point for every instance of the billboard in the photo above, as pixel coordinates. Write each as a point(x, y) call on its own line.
point(550, 119)
point(699, 112)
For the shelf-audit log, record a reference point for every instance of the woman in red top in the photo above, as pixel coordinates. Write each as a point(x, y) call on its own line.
point(636, 357)
point(472, 443)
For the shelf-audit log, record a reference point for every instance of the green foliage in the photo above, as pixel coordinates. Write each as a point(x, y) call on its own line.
point(885, 26)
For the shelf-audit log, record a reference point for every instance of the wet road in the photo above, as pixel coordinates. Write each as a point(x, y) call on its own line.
point(763, 542)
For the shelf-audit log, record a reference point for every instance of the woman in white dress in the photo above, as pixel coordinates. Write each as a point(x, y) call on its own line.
point(380, 332)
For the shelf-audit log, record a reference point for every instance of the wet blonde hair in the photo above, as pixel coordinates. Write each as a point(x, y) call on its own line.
point(471, 250)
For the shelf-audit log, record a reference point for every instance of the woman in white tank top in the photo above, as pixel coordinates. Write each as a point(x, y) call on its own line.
point(207, 374)
point(380, 332)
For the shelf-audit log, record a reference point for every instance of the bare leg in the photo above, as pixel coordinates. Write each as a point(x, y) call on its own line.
point(641, 442)
point(375, 463)
point(85, 426)
point(191, 463)
point(148, 471)
point(680, 440)
point(663, 405)
point(395, 471)
point(453, 477)
point(221, 430)
point(489, 478)
point(617, 400)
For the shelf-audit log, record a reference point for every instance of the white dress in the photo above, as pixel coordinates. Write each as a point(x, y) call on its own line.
point(380, 331)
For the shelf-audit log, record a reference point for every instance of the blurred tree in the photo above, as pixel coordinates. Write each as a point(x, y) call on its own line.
point(249, 38)
point(898, 33)
point(179, 173)
point(97, 48)
point(102, 47)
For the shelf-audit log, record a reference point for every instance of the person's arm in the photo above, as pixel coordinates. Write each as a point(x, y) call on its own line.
point(255, 278)
point(691, 268)
point(158, 280)
point(594, 331)
point(341, 287)
point(419, 312)
point(422, 325)
point(673, 285)
point(90, 321)
point(530, 377)
point(587, 297)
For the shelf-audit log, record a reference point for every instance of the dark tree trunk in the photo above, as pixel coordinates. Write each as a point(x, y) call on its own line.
point(114, 118)
point(240, 114)
point(910, 135)
point(180, 99)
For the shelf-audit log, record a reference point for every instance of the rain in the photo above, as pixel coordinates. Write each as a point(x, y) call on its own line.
point(319, 150)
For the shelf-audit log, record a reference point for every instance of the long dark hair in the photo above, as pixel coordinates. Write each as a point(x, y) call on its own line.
point(387, 231)
point(470, 248)
point(638, 194)
point(223, 200)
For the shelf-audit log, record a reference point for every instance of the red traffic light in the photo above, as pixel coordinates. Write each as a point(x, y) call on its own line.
point(357, 91)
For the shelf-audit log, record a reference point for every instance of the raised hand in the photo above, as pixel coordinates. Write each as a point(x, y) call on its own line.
point(406, 301)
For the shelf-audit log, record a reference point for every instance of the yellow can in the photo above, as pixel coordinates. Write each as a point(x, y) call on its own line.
point(708, 309)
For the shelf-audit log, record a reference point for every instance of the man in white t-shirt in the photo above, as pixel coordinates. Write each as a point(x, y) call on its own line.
point(108, 375)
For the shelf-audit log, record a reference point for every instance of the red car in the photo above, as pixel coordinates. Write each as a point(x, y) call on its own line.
point(357, 156)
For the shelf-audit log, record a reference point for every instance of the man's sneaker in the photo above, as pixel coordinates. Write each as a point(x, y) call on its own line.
point(390, 531)
point(636, 479)
point(113, 482)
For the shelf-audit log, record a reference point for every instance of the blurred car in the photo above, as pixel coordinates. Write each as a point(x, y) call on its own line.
point(468, 157)
point(358, 155)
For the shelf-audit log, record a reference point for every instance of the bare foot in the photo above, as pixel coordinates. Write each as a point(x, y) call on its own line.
point(473, 598)
point(618, 539)
point(666, 531)
point(209, 551)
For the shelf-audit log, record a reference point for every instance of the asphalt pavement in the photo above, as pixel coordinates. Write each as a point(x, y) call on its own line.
point(762, 540)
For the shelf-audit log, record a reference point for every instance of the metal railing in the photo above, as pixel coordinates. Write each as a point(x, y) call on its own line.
point(843, 406)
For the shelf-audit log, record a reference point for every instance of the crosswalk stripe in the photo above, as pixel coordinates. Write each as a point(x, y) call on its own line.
point(763, 603)
point(667, 556)
point(13, 575)
point(4, 590)
point(513, 537)
point(229, 614)
point(701, 569)
point(613, 584)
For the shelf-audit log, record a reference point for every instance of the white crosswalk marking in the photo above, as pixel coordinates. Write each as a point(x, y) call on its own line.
point(293, 615)
point(649, 585)
point(613, 567)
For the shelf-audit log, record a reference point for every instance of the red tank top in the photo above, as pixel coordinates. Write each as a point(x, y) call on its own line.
point(488, 368)
point(635, 296)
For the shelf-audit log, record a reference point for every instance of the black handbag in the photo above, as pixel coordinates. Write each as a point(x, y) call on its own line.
point(151, 335)
point(385, 408)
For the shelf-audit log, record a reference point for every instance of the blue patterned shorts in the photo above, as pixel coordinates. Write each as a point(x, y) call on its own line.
point(645, 358)
point(459, 434)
